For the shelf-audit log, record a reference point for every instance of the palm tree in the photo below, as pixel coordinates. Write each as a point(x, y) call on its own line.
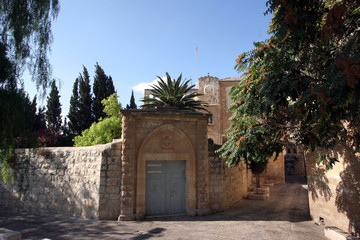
point(174, 93)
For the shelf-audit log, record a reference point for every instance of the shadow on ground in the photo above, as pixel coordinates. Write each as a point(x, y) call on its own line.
point(288, 202)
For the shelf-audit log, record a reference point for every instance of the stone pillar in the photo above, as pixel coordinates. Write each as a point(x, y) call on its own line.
point(128, 162)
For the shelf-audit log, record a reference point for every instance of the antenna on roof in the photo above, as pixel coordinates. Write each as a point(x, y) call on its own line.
point(197, 71)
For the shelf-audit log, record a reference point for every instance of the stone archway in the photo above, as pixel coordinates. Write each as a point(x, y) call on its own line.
point(163, 135)
point(166, 143)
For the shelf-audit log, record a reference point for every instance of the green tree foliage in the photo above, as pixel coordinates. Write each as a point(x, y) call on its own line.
point(105, 130)
point(25, 28)
point(20, 122)
point(38, 116)
point(251, 142)
point(25, 38)
point(103, 87)
point(85, 100)
point(132, 102)
point(174, 93)
point(16, 122)
point(73, 116)
point(111, 106)
point(303, 82)
point(16, 110)
point(53, 112)
point(7, 68)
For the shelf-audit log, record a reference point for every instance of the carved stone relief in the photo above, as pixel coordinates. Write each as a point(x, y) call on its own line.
point(166, 142)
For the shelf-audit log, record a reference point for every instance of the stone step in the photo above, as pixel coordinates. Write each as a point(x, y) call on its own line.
point(258, 196)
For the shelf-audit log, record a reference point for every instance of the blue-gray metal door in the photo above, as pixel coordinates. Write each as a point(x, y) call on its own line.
point(165, 187)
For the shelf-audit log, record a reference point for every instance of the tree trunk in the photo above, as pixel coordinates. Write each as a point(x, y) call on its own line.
point(257, 182)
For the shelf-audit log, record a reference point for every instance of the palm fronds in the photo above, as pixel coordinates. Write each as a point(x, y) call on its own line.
point(174, 93)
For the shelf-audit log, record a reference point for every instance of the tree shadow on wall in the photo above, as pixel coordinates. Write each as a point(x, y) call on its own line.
point(348, 190)
point(347, 195)
point(318, 183)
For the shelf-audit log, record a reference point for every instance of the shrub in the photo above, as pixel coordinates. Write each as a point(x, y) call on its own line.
point(100, 132)
point(105, 130)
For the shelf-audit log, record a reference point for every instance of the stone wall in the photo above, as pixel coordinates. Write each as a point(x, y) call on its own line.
point(226, 185)
point(275, 170)
point(81, 181)
point(334, 194)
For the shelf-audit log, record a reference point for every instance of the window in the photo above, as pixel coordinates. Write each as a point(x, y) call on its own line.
point(210, 120)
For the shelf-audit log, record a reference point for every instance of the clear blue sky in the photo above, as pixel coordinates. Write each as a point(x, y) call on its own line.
point(136, 40)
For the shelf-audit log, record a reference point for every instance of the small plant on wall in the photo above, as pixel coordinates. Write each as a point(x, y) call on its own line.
point(174, 93)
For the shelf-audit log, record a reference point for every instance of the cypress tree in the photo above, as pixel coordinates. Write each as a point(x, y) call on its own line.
point(103, 87)
point(73, 116)
point(110, 89)
point(53, 113)
point(39, 121)
point(132, 102)
point(85, 100)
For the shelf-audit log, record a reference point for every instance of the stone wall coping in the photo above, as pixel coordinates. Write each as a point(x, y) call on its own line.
point(94, 147)
point(164, 111)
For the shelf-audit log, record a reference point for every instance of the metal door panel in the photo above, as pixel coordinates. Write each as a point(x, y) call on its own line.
point(165, 187)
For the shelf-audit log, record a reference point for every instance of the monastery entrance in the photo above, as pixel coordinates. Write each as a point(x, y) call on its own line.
point(164, 163)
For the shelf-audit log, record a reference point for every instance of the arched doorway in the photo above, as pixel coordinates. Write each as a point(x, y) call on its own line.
point(166, 173)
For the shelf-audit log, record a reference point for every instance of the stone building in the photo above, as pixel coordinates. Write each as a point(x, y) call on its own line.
point(294, 160)
point(216, 94)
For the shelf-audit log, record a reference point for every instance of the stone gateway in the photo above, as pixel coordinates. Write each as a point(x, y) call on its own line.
point(159, 137)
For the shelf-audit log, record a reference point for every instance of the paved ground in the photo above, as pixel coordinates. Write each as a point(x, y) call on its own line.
point(284, 216)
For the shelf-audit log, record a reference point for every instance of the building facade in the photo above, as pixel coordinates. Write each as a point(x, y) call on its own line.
point(216, 95)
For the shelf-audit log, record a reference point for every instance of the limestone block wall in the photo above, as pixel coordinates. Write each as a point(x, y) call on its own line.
point(275, 170)
point(334, 194)
point(110, 181)
point(237, 182)
point(82, 181)
point(226, 185)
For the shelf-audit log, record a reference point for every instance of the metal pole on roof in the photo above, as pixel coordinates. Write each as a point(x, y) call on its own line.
point(197, 71)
